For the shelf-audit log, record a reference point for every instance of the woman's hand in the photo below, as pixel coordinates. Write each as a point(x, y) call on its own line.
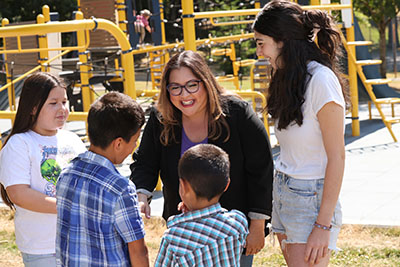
point(317, 246)
point(144, 205)
point(255, 239)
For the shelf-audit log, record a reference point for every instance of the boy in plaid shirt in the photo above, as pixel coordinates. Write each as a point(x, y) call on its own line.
point(98, 220)
point(205, 234)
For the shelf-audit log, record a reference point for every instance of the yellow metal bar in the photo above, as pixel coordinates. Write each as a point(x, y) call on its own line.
point(254, 94)
point(355, 125)
point(32, 70)
point(221, 39)
point(159, 185)
point(7, 114)
point(19, 43)
point(189, 31)
point(43, 44)
point(257, 4)
point(121, 11)
point(225, 13)
point(162, 22)
point(328, 7)
point(234, 66)
point(46, 13)
point(77, 116)
point(252, 77)
point(230, 22)
point(10, 91)
point(73, 116)
point(246, 12)
point(84, 67)
point(36, 50)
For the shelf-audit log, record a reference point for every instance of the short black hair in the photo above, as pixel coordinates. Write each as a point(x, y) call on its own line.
point(206, 168)
point(111, 116)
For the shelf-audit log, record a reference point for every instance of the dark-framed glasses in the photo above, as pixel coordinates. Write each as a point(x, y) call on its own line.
point(191, 87)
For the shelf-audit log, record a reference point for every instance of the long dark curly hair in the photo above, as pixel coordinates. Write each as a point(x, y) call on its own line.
point(288, 23)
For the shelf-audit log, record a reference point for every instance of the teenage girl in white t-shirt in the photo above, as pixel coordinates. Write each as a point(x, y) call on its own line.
point(30, 162)
point(306, 98)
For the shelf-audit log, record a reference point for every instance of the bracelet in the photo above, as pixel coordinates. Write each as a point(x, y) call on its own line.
point(323, 227)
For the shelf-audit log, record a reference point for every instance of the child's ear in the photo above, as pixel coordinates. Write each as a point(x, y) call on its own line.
point(227, 184)
point(117, 143)
point(182, 184)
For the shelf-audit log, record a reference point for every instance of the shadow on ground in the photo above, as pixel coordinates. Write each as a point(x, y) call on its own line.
point(366, 127)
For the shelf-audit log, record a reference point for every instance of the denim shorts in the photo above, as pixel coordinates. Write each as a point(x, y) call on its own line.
point(39, 260)
point(296, 204)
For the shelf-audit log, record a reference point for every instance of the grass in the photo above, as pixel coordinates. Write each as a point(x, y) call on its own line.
point(360, 245)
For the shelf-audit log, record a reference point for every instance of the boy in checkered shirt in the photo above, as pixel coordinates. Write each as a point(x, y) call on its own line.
point(98, 219)
point(205, 234)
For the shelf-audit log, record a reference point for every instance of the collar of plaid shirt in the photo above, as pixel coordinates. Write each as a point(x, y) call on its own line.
point(195, 214)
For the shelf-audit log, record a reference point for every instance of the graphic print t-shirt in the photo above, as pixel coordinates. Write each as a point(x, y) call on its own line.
point(36, 160)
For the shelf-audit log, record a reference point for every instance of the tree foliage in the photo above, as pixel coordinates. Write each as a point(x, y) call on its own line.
point(17, 11)
point(380, 12)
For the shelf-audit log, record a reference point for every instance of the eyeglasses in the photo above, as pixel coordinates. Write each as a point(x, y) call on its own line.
point(191, 87)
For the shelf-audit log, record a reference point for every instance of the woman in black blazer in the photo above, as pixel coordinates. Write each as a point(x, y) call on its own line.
point(193, 108)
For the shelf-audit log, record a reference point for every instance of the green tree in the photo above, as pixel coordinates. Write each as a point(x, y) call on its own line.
point(17, 11)
point(380, 12)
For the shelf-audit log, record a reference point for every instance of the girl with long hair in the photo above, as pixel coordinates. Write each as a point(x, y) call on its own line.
point(307, 100)
point(31, 160)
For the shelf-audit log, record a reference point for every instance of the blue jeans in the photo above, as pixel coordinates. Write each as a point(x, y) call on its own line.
point(246, 261)
point(39, 260)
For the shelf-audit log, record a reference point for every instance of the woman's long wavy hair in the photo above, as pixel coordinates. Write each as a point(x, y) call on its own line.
point(288, 23)
point(172, 116)
point(34, 94)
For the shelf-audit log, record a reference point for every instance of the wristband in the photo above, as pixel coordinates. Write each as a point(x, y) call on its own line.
point(323, 227)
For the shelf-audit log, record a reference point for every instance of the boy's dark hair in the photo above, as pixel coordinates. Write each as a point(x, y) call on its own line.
point(206, 168)
point(111, 116)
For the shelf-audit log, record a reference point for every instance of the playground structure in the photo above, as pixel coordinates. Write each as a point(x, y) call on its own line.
point(123, 70)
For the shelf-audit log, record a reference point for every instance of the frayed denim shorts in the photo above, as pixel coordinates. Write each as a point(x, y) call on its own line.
point(296, 204)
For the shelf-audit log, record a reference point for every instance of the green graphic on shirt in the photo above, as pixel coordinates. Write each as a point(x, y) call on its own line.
point(50, 170)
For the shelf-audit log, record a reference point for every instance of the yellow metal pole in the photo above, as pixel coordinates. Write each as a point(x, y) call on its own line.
point(234, 66)
point(128, 74)
point(43, 55)
point(11, 93)
point(162, 22)
point(121, 11)
point(84, 68)
point(355, 125)
point(189, 31)
point(314, 2)
point(257, 4)
point(46, 13)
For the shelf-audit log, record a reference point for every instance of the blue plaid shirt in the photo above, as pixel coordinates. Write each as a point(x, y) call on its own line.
point(97, 214)
point(208, 237)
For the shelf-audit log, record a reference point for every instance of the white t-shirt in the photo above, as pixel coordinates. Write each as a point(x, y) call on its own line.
point(303, 155)
point(36, 160)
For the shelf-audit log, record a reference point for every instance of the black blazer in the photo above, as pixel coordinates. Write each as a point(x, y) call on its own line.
point(249, 152)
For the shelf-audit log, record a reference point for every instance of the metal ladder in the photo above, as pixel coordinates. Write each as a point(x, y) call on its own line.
point(368, 83)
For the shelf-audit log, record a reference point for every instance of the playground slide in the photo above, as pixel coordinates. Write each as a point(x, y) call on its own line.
point(371, 72)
